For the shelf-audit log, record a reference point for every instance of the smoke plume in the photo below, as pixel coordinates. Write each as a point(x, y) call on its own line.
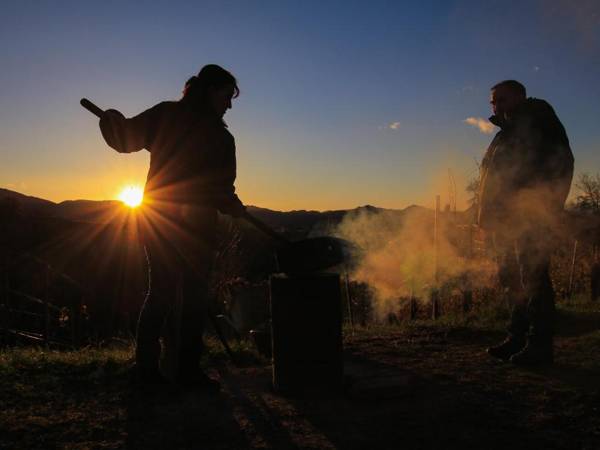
point(399, 256)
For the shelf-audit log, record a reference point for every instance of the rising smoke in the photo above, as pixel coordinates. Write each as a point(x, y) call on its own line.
point(399, 258)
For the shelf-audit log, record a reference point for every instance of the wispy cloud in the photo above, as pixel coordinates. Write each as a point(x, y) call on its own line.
point(485, 126)
point(390, 126)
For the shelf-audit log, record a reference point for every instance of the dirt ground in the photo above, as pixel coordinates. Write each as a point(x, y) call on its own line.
point(419, 387)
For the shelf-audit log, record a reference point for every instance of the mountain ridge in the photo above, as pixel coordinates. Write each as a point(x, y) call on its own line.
point(100, 210)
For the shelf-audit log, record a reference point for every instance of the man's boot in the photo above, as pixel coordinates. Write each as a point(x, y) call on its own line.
point(511, 345)
point(539, 351)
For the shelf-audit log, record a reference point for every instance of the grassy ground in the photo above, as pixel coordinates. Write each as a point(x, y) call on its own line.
point(419, 384)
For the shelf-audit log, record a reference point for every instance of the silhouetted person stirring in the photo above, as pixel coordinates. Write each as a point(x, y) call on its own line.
point(525, 179)
point(191, 176)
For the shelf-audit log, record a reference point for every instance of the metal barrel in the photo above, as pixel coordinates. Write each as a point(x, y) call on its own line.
point(306, 331)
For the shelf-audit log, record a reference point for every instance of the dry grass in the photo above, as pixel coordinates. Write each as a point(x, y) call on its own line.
point(457, 396)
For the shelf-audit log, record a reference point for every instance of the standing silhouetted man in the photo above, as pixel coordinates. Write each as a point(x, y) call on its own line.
point(525, 179)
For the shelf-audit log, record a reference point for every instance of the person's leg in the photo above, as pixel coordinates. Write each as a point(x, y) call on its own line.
point(153, 312)
point(541, 308)
point(193, 316)
point(509, 275)
point(197, 260)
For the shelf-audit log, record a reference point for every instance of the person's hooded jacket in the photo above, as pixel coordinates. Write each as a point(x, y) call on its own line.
point(527, 170)
point(192, 154)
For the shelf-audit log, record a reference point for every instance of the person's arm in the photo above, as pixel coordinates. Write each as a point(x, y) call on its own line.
point(225, 199)
point(130, 135)
point(489, 185)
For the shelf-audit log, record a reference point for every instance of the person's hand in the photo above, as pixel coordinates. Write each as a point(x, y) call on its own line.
point(111, 128)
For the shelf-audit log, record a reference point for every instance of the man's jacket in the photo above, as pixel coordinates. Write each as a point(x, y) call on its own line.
point(527, 170)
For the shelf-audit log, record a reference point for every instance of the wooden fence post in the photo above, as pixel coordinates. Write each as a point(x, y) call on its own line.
point(413, 307)
point(572, 271)
point(4, 301)
point(435, 307)
point(46, 304)
point(468, 292)
point(595, 274)
point(467, 299)
point(349, 300)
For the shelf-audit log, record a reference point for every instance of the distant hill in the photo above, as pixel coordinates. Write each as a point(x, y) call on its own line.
point(298, 222)
point(322, 220)
point(26, 205)
point(89, 210)
point(79, 210)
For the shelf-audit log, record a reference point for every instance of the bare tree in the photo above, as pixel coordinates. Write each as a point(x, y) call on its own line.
point(589, 192)
point(473, 186)
point(473, 191)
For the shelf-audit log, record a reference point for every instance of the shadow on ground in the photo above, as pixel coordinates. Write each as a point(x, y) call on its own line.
point(410, 388)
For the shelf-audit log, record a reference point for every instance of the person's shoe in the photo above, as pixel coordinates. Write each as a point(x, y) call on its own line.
point(508, 348)
point(535, 354)
point(198, 380)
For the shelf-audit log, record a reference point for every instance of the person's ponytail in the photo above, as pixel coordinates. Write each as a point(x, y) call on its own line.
point(211, 75)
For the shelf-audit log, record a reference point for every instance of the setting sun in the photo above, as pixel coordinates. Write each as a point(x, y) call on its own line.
point(132, 196)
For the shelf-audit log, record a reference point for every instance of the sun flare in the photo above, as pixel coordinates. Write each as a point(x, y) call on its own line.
point(132, 196)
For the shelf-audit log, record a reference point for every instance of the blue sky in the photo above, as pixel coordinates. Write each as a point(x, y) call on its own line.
point(343, 103)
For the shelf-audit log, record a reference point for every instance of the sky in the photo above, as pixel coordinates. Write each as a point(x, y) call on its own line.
point(342, 103)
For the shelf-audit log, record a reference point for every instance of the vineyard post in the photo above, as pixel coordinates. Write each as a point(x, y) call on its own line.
point(349, 300)
point(435, 307)
point(46, 304)
point(572, 271)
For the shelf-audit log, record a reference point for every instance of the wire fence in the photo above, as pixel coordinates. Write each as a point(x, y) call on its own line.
point(26, 318)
